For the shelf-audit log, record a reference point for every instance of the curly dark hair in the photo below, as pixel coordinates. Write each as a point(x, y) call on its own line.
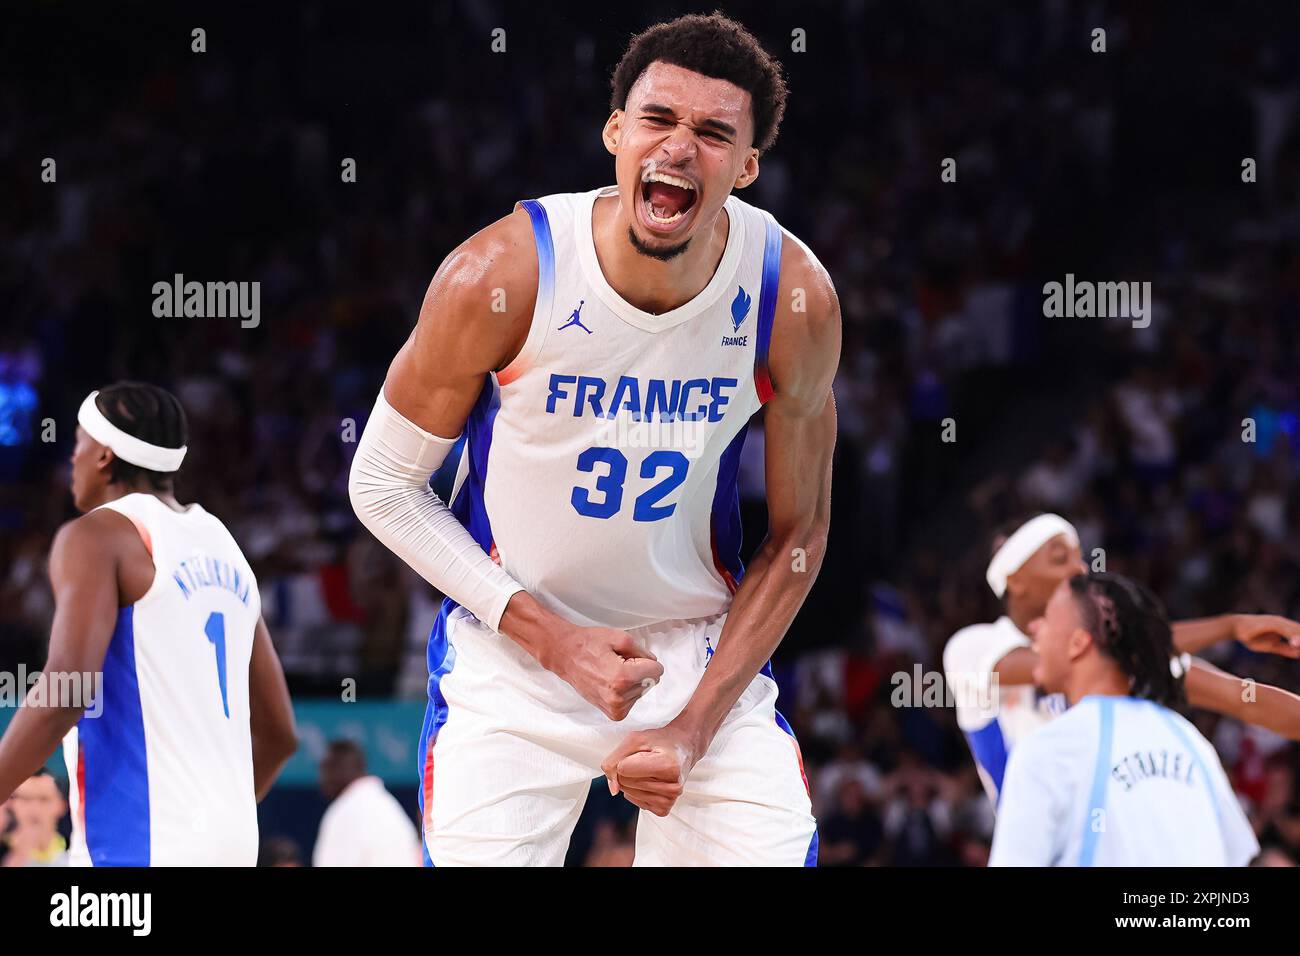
point(1131, 628)
point(149, 413)
point(715, 46)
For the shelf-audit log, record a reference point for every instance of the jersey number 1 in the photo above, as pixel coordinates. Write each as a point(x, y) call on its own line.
point(215, 629)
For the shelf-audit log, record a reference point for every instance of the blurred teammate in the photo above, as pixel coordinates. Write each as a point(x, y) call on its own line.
point(604, 352)
point(990, 667)
point(364, 824)
point(1120, 779)
point(192, 721)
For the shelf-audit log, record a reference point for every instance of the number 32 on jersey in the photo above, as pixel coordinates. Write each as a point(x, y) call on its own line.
point(666, 469)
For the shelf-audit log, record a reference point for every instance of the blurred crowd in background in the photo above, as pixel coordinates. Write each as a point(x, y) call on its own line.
point(1173, 446)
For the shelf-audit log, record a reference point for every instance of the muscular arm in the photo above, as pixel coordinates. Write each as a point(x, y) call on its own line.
point(800, 440)
point(431, 388)
point(428, 394)
point(460, 337)
point(275, 736)
point(84, 573)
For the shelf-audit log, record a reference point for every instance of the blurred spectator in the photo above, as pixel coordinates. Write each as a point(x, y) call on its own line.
point(848, 764)
point(851, 834)
point(1277, 816)
point(364, 824)
point(35, 809)
point(918, 817)
point(279, 851)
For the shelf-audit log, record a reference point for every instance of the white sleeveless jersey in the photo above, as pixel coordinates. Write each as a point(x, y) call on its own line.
point(163, 775)
point(600, 465)
point(993, 716)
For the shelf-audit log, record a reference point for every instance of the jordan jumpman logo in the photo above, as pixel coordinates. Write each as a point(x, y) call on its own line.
point(575, 320)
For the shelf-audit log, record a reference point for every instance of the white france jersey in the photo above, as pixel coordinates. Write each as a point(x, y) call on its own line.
point(993, 716)
point(1117, 781)
point(600, 466)
point(163, 776)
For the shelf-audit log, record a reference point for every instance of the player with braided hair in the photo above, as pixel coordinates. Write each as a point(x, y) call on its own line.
point(989, 667)
point(1142, 644)
point(1121, 779)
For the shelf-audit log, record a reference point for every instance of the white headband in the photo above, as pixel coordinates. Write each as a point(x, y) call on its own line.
point(127, 447)
point(1022, 544)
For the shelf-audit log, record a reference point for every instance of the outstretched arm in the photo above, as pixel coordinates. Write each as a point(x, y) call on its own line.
point(800, 439)
point(1265, 633)
point(1208, 687)
point(1263, 705)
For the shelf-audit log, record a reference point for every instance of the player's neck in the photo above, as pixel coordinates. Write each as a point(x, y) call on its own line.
point(1021, 615)
point(120, 490)
point(647, 283)
point(1095, 679)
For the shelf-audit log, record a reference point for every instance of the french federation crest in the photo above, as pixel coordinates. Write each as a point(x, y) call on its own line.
point(739, 308)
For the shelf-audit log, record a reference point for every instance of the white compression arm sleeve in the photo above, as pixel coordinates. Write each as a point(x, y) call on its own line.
point(389, 490)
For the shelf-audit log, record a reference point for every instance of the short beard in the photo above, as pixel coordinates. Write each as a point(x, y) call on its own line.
point(663, 255)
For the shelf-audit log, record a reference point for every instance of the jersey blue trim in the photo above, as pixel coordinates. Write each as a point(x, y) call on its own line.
point(545, 249)
point(988, 746)
point(116, 796)
point(810, 858)
point(442, 658)
point(469, 507)
point(1196, 760)
point(470, 510)
point(727, 531)
point(1100, 776)
point(767, 307)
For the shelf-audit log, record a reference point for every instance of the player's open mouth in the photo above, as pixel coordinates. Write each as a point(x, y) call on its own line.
point(666, 199)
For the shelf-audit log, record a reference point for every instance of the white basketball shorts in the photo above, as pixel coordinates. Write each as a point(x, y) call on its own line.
point(509, 751)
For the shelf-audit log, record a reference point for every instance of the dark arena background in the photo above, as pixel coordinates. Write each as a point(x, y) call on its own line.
point(1173, 157)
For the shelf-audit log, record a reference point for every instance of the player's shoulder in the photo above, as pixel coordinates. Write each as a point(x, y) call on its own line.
point(97, 539)
point(1184, 727)
point(806, 331)
point(494, 269)
point(806, 293)
point(975, 642)
point(972, 634)
point(1076, 730)
point(96, 532)
point(964, 643)
point(479, 305)
point(222, 530)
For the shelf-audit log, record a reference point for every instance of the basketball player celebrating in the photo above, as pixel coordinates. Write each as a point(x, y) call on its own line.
point(990, 667)
point(1120, 779)
point(192, 721)
point(597, 618)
